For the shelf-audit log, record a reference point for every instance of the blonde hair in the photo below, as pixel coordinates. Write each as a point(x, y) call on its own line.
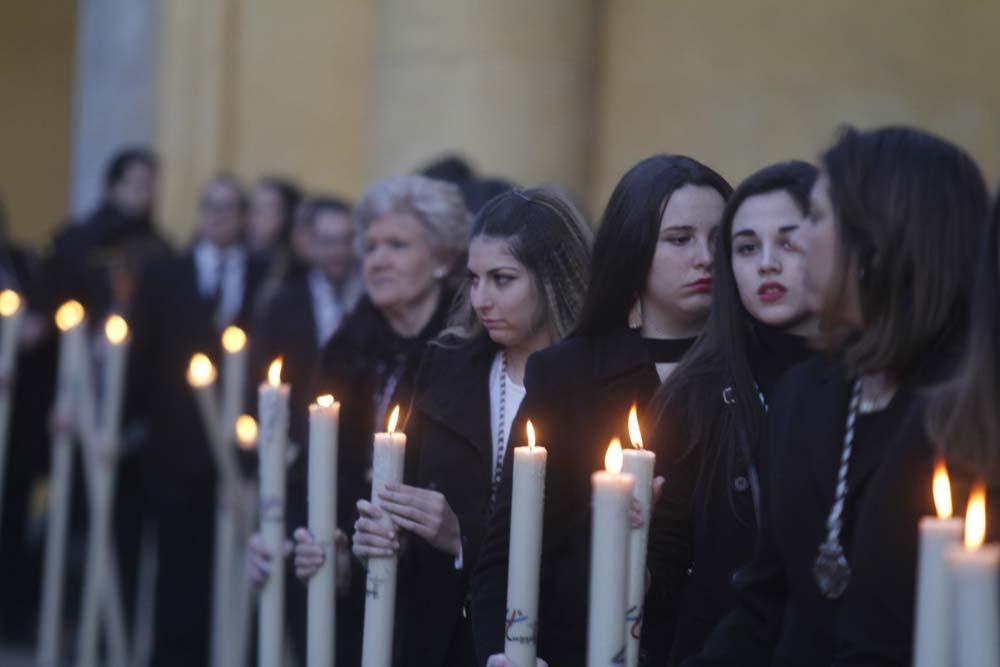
point(436, 205)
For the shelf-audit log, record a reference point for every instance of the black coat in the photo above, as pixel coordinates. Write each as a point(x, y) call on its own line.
point(449, 450)
point(578, 396)
point(704, 526)
point(782, 619)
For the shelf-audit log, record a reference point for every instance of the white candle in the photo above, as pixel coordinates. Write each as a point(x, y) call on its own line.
point(12, 313)
point(639, 463)
point(932, 644)
point(234, 377)
point(246, 439)
point(273, 406)
point(380, 584)
point(609, 561)
point(324, 417)
point(526, 515)
point(72, 348)
point(974, 570)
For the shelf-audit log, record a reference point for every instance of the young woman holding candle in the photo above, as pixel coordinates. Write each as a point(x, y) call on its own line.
point(527, 274)
point(412, 235)
point(890, 243)
point(962, 429)
point(649, 296)
point(709, 415)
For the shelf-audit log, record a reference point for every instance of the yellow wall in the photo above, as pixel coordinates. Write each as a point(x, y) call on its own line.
point(255, 87)
point(37, 42)
point(741, 84)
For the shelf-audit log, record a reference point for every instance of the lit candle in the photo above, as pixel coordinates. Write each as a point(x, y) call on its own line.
point(526, 514)
point(246, 440)
point(273, 406)
point(101, 578)
point(234, 375)
point(932, 637)
point(324, 417)
point(12, 314)
point(380, 585)
point(639, 463)
point(609, 545)
point(72, 351)
point(974, 569)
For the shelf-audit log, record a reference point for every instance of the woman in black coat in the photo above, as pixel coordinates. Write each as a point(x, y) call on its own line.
point(651, 269)
point(709, 415)
point(894, 221)
point(412, 236)
point(527, 269)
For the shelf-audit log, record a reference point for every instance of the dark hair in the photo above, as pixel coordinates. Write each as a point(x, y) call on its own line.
point(962, 417)
point(551, 239)
point(478, 191)
point(909, 207)
point(689, 404)
point(448, 167)
point(290, 196)
point(626, 238)
point(123, 159)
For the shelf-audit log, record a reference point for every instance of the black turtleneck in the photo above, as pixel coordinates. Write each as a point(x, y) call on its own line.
point(667, 350)
point(772, 352)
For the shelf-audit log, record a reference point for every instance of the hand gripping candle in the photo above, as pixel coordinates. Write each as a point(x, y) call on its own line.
point(380, 585)
point(527, 506)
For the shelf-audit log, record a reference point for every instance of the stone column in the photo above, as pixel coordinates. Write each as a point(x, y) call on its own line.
point(509, 84)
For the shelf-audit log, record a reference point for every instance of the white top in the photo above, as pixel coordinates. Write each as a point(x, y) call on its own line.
point(330, 304)
point(221, 271)
point(515, 394)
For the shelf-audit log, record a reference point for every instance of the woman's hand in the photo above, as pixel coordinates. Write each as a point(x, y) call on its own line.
point(371, 538)
point(500, 660)
point(424, 513)
point(309, 556)
point(635, 513)
point(259, 559)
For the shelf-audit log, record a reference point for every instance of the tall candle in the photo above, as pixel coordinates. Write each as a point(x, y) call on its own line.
point(932, 643)
point(234, 377)
point(974, 570)
point(273, 406)
point(12, 314)
point(324, 417)
point(380, 584)
point(72, 349)
point(246, 440)
point(639, 463)
point(609, 561)
point(526, 515)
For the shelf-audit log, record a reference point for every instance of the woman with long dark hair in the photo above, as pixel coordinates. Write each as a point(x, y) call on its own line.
point(890, 244)
point(650, 291)
point(709, 415)
point(527, 274)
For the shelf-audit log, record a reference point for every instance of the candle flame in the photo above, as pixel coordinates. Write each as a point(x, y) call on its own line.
point(201, 372)
point(10, 302)
point(531, 435)
point(246, 432)
point(975, 518)
point(274, 372)
point(393, 420)
point(614, 459)
point(325, 401)
point(942, 491)
point(234, 339)
point(116, 329)
point(69, 315)
point(634, 434)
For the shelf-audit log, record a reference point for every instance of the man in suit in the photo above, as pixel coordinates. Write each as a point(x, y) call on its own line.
point(182, 305)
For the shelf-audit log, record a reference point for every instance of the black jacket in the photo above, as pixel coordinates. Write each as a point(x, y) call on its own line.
point(449, 450)
point(578, 396)
point(782, 619)
point(705, 525)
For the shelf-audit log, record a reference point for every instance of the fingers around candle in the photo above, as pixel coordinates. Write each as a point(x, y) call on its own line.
point(658, 483)
point(303, 536)
point(369, 510)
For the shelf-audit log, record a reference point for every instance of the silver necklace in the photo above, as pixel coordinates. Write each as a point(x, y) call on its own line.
point(502, 426)
point(831, 569)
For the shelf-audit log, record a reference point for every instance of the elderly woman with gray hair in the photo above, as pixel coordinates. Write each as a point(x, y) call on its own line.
point(412, 234)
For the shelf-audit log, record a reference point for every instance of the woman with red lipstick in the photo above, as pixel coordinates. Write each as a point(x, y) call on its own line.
point(526, 277)
point(890, 245)
point(709, 415)
point(649, 296)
